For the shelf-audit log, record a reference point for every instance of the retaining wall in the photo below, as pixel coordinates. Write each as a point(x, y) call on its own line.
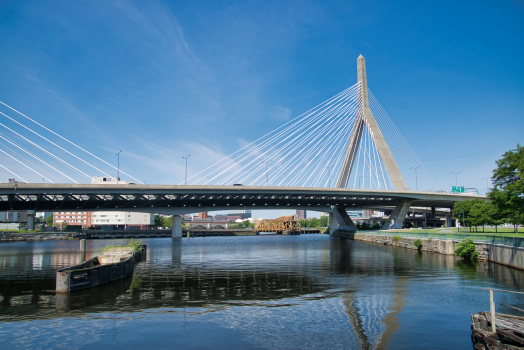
point(500, 254)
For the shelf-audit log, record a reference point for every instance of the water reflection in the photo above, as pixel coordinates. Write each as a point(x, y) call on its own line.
point(253, 285)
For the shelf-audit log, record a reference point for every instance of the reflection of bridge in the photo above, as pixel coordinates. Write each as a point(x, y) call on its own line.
point(339, 136)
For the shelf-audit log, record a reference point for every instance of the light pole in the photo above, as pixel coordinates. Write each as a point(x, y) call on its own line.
point(267, 176)
point(487, 186)
point(118, 167)
point(185, 181)
point(329, 178)
point(463, 222)
point(458, 172)
point(416, 178)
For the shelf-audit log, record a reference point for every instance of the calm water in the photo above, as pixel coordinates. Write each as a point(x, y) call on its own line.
point(258, 292)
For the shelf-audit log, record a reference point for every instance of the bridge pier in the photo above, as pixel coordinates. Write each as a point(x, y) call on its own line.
point(340, 224)
point(397, 217)
point(31, 219)
point(176, 230)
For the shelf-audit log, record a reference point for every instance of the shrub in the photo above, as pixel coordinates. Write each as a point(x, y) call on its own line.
point(417, 243)
point(466, 249)
point(396, 238)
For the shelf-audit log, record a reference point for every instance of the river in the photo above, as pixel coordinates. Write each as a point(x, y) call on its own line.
point(254, 292)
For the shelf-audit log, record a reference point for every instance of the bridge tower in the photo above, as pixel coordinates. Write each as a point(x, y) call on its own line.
point(340, 222)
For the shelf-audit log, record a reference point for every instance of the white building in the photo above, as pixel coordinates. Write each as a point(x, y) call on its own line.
point(123, 219)
point(127, 218)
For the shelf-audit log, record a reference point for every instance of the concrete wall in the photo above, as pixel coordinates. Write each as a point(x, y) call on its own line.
point(505, 255)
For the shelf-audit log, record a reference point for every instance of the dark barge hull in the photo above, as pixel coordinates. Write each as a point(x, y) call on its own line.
point(91, 273)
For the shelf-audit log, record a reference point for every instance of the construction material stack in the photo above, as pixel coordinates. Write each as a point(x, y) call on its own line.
point(286, 225)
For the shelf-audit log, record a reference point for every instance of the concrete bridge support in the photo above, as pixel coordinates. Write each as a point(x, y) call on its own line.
point(176, 230)
point(31, 219)
point(340, 224)
point(397, 217)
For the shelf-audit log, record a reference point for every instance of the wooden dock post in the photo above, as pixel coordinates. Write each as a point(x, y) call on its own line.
point(82, 250)
point(492, 311)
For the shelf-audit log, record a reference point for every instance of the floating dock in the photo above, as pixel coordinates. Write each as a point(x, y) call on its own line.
point(508, 335)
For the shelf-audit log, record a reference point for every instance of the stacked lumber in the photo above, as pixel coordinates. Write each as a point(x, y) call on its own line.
point(279, 225)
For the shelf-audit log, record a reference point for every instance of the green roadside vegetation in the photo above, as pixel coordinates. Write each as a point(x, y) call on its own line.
point(506, 205)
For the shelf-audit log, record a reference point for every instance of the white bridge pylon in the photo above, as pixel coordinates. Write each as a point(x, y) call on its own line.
point(347, 141)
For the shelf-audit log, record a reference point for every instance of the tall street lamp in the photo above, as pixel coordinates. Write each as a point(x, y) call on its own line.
point(416, 179)
point(458, 172)
point(487, 186)
point(267, 176)
point(118, 168)
point(185, 181)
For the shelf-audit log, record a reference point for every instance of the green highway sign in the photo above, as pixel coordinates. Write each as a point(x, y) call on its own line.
point(457, 189)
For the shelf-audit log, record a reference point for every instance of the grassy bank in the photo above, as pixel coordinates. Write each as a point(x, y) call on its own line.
point(506, 232)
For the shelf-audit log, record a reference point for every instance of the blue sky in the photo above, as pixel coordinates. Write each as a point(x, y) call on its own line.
point(163, 79)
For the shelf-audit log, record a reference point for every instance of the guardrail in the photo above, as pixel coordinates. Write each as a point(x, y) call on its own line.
point(492, 239)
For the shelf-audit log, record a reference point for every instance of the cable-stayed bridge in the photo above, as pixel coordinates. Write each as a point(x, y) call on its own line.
point(343, 153)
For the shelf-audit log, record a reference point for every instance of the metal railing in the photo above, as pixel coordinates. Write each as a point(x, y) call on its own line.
point(477, 238)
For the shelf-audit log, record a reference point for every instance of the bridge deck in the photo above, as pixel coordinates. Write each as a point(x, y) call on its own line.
point(171, 199)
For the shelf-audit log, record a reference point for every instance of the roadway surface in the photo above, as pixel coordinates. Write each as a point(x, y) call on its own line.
point(176, 199)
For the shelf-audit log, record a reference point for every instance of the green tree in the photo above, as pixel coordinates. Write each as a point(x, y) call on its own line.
point(168, 221)
point(64, 225)
point(496, 216)
point(479, 214)
point(324, 221)
point(465, 207)
point(49, 220)
point(508, 193)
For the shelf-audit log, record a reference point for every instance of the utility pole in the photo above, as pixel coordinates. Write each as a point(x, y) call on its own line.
point(458, 172)
point(118, 168)
point(416, 179)
point(185, 181)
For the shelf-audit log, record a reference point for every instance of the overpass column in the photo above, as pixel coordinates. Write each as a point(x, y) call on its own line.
point(397, 217)
point(331, 224)
point(341, 226)
point(176, 230)
point(31, 219)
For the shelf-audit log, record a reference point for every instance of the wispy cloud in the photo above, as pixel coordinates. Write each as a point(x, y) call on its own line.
point(282, 114)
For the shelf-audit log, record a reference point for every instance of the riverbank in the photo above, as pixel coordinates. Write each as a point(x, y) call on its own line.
point(41, 236)
point(498, 253)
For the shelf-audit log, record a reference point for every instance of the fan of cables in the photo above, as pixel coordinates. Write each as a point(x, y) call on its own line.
point(31, 152)
point(308, 151)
